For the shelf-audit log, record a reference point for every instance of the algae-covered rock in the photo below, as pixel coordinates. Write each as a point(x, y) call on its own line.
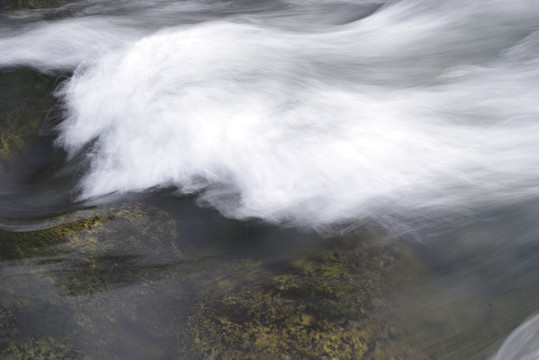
point(328, 304)
point(32, 349)
point(94, 278)
point(25, 99)
point(122, 230)
point(16, 346)
point(98, 248)
point(8, 326)
point(117, 230)
point(32, 4)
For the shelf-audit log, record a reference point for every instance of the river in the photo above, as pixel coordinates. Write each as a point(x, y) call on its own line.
point(165, 163)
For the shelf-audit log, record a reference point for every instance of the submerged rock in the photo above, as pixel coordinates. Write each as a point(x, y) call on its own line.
point(97, 249)
point(25, 99)
point(328, 304)
point(8, 326)
point(31, 4)
point(87, 278)
point(15, 346)
point(31, 349)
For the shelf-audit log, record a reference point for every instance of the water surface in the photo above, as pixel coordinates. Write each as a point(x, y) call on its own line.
point(162, 158)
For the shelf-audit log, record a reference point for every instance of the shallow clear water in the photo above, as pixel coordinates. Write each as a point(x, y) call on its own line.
point(162, 159)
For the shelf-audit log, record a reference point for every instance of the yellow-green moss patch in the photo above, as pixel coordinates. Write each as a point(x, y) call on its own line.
point(99, 248)
point(328, 304)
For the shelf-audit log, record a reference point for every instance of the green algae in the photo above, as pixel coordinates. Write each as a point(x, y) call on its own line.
point(31, 349)
point(349, 299)
point(19, 245)
point(12, 142)
point(16, 346)
point(8, 326)
point(328, 304)
point(100, 248)
point(74, 268)
point(25, 99)
point(118, 285)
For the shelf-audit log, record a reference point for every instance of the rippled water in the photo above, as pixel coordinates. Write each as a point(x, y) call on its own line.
point(155, 150)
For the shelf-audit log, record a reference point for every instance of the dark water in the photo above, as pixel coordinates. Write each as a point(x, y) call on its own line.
point(272, 179)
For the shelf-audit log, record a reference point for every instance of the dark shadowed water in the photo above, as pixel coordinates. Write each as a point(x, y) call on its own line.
point(269, 179)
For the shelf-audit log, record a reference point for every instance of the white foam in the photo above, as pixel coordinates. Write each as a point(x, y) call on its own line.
point(65, 44)
point(521, 344)
point(421, 106)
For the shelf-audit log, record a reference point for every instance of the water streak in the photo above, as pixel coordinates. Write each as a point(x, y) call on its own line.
point(296, 114)
point(522, 343)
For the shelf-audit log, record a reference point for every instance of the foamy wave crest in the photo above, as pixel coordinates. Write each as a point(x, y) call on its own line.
point(419, 106)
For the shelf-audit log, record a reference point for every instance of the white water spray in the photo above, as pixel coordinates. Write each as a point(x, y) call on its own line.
point(417, 107)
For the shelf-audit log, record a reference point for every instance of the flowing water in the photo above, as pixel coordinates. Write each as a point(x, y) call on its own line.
point(247, 134)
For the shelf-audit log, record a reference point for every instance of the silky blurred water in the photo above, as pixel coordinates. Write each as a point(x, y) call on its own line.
point(264, 128)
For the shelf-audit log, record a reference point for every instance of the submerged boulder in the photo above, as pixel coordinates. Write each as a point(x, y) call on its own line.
point(8, 326)
point(83, 278)
point(48, 348)
point(327, 304)
point(15, 346)
point(97, 248)
point(25, 100)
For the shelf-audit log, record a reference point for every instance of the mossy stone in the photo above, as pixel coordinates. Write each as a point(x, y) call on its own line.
point(328, 304)
point(8, 326)
point(25, 100)
point(88, 275)
point(15, 346)
point(47, 348)
point(99, 248)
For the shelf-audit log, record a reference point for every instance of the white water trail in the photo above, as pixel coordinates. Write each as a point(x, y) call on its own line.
point(522, 343)
point(65, 44)
point(418, 108)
